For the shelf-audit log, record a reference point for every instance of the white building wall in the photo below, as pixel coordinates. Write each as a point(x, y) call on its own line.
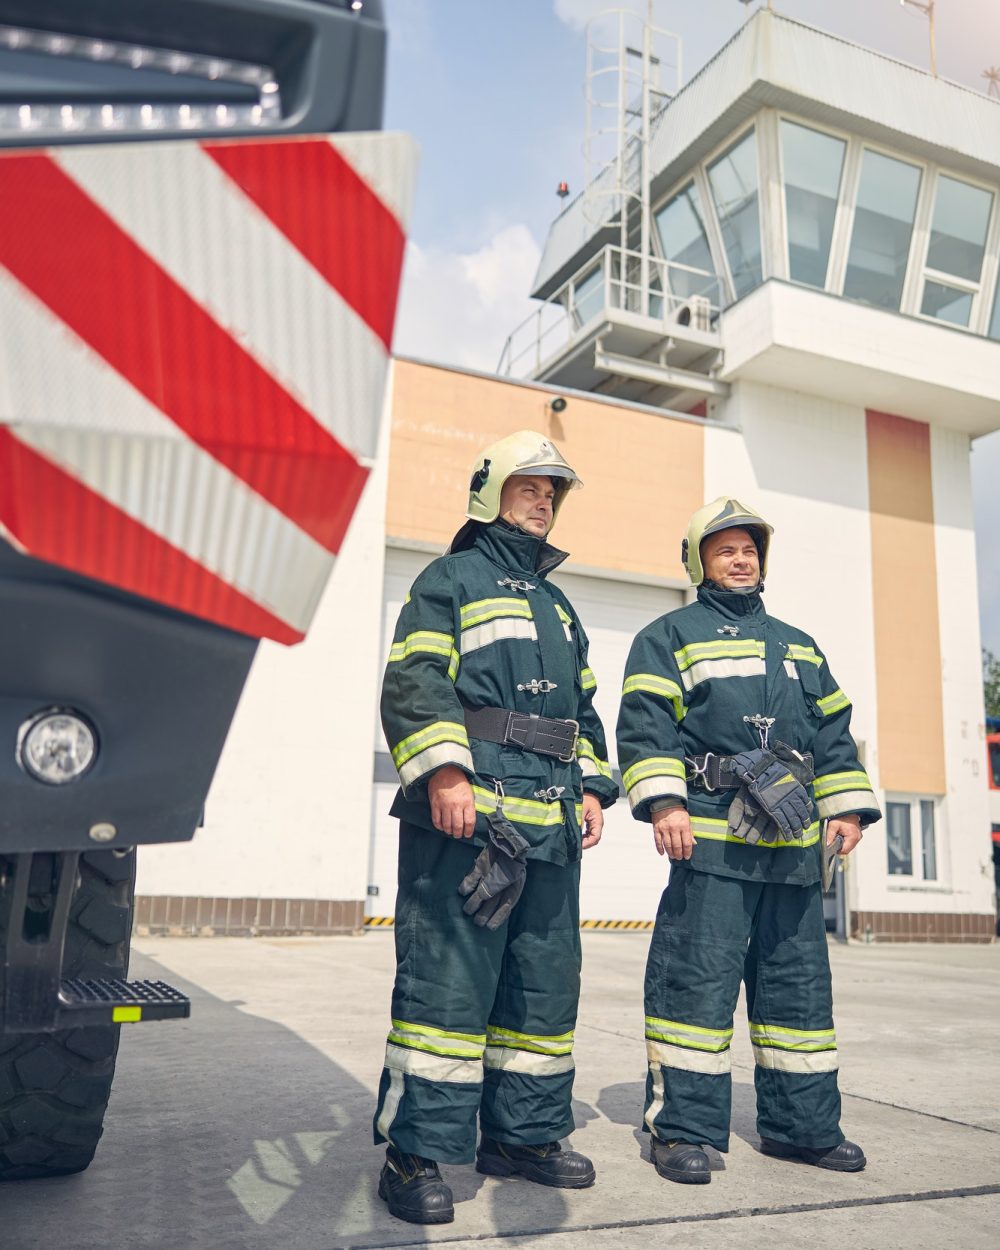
point(968, 865)
point(289, 811)
point(801, 461)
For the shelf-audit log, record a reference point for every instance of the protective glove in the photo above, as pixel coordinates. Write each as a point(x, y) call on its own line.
point(494, 885)
point(746, 820)
point(773, 788)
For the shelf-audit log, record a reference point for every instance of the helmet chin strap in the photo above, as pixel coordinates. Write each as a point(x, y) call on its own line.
point(736, 590)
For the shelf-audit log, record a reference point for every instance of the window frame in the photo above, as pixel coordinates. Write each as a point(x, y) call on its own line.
point(841, 206)
point(925, 274)
point(916, 879)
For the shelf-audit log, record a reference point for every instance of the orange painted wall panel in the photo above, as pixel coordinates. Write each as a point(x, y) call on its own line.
point(905, 593)
point(643, 474)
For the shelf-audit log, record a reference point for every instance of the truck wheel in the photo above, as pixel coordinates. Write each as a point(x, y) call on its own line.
point(54, 1087)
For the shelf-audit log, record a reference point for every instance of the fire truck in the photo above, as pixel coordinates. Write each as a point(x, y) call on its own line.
point(200, 251)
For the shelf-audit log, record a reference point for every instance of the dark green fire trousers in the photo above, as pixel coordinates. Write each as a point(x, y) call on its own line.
point(710, 933)
point(482, 1022)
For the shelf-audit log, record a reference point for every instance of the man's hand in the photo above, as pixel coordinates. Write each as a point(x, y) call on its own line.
point(593, 820)
point(453, 809)
point(849, 828)
point(672, 833)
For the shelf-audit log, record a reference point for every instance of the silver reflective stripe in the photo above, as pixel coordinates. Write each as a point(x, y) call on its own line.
point(795, 1060)
point(656, 1103)
point(390, 1105)
point(791, 670)
point(687, 1060)
point(846, 801)
point(503, 1058)
point(656, 787)
point(496, 631)
point(753, 666)
point(435, 757)
point(433, 1067)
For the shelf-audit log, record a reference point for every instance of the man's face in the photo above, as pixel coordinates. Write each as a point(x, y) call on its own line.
point(528, 503)
point(730, 559)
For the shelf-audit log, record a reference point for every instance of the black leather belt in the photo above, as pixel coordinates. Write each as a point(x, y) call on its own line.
point(541, 734)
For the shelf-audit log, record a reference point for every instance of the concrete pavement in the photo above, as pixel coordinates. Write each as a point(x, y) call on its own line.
point(248, 1126)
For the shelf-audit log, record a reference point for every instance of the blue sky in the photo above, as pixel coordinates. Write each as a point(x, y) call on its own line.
point(493, 92)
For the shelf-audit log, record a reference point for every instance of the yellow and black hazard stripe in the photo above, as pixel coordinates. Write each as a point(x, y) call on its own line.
point(386, 922)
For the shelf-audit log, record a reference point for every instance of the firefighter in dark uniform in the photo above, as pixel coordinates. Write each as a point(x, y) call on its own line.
point(734, 741)
point(487, 707)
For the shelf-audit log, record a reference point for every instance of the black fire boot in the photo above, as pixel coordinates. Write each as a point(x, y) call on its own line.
point(680, 1161)
point(546, 1165)
point(414, 1190)
point(847, 1157)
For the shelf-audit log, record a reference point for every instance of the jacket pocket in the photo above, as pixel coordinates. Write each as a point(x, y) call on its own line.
point(812, 687)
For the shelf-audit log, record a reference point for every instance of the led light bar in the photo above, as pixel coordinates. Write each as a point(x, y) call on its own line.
point(46, 119)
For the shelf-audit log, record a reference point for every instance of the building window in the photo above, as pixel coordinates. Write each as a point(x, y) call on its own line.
point(588, 296)
point(883, 228)
point(911, 838)
point(812, 166)
point(956, 250)
point(681, 227)
point(994, 330)
point(733, 179)
point(995, 764)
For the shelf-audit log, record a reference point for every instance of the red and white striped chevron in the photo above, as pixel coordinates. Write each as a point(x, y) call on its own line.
point(194, 340)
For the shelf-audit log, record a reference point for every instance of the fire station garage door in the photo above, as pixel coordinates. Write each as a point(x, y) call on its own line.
point(623, 877)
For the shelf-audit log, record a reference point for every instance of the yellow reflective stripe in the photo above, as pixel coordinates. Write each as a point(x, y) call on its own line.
point(711, 1036)
point(562, 1044)
point(126, 1015)
point(808, 1034)
point(763, 1036)
point(718, 831)
point(831, 783)
point(587, 679)
point(563, 615)
point(724, 649)
point(807, 654)
point(524, 811)
point(585, 749)
point(397, 1038)
point(655, 765)
point(487, 609)
point(831, 703)
point(475, 1038)
point(651, 683)
point(453, 664)
point(423, 640)
point(440, 731)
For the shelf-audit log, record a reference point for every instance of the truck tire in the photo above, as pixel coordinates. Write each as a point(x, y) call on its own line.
point(54, 1087)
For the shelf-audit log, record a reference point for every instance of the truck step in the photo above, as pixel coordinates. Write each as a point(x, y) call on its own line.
point(84, 1003)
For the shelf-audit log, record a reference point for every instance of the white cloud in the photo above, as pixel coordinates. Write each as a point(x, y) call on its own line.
point(458, 308)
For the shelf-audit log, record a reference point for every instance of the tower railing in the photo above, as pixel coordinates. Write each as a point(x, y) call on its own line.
point(676, 299)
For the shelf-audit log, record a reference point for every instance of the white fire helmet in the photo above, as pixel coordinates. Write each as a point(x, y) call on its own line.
point(520, 454)
point(723, 513)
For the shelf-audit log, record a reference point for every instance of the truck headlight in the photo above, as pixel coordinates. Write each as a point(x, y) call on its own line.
point(56, 746)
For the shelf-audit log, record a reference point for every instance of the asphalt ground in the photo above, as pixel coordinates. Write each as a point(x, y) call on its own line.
point(248, 1126)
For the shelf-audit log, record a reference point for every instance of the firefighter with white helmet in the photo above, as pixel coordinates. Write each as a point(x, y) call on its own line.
point(734, 742)
point(487, 707)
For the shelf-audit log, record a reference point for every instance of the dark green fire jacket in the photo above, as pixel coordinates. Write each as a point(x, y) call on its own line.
point(479, 626)
point(691, 677)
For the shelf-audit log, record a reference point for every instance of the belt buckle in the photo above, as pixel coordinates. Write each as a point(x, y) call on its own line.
point(571, 753)
point(700, 774)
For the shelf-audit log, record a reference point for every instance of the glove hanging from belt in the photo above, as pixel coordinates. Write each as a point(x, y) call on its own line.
point(771, 793)
point(494, 885)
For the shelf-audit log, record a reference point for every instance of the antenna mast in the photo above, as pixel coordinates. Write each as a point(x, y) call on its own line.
point(927, 7)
